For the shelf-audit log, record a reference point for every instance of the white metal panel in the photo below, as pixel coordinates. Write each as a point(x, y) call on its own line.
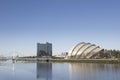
point(89, 49)
point(97, 50)
point(72, 49)
point(77, 48)
point(82, 49)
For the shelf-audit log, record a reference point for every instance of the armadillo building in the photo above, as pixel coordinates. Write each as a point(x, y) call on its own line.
point(85, 50)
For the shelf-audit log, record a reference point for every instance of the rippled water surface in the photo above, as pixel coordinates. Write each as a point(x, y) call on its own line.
point(59, 71)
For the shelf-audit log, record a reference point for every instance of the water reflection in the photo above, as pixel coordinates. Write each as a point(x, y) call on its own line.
point(59, 71)
point(44, 71)
point(88, 71)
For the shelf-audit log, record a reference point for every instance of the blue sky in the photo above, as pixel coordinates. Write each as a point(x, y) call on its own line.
point(64, 23)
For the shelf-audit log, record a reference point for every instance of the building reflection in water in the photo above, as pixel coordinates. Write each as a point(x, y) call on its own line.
point(44, 71)
point(89, 71)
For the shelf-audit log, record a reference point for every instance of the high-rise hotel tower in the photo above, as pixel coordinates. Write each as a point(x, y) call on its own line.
point(44, 49)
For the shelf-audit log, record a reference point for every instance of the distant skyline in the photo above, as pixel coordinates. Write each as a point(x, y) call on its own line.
point(64, 23)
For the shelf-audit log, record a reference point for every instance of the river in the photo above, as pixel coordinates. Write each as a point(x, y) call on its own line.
point(58, 71)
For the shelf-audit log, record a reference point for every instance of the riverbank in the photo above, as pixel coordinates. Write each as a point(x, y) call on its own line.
point(68, 60)
point(86, 60)
point(76, 60)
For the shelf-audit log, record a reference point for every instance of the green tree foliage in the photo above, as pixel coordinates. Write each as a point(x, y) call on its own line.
point(113, 53)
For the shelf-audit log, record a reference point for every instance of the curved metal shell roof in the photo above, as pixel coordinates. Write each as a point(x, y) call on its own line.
point(84, 50)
